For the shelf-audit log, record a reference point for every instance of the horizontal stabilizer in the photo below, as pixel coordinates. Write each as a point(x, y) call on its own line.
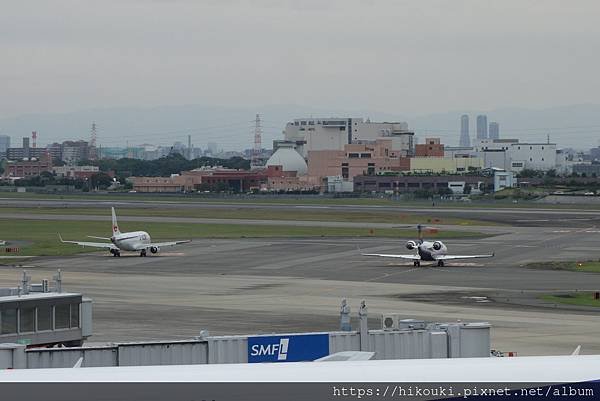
point(166, 243)
point(385, 255)
point(452, 257)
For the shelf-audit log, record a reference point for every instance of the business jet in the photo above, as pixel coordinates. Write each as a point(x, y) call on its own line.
point(427, 251)
point(135, 241)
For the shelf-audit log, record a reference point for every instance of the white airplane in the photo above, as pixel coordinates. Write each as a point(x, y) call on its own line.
point(136, 241)
point(527, 369)
point(428, 251)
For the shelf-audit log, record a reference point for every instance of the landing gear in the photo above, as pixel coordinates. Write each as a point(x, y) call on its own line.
point(417, 263)
point(143, 253)
point(440, 263)
point(115, 252)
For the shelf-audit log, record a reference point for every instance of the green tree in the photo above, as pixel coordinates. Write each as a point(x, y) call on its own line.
point(100, 180)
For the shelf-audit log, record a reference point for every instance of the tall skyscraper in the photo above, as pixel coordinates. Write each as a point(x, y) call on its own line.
point(494, 130)
point(465, 140)
point(482, 127)
point(4, 144)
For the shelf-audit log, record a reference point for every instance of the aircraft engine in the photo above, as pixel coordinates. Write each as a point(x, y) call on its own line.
point(154, 249)
point(411, 245)
point(437, 245)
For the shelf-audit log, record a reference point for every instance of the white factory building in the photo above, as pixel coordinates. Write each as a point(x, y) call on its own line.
point(512, 155)
point(333, 133)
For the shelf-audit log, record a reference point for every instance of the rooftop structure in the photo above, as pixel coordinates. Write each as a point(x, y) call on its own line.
point(308, 134)
point(42, 314)
point(289, 159)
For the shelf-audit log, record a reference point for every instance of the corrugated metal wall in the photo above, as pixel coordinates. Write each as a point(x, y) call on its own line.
point(67, 357)
point(228, 349)
point(444, 341)
point(177, 353)
point(409, 344)
point(344, 341)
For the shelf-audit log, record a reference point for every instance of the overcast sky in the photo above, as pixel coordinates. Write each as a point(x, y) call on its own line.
point(403, 57)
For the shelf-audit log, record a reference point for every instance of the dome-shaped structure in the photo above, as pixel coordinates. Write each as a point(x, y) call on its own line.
point(289, 160)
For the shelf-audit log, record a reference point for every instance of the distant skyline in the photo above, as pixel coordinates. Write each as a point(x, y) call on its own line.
point(575, 126)
point(406, 58)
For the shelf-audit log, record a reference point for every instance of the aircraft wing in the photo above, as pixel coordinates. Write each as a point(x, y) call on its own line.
point(387, 255)
point(347, 356)
point(166, 243)
point(451, 257)
point(105, 245)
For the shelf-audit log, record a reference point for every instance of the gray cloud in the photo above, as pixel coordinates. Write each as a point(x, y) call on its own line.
point(403, 57)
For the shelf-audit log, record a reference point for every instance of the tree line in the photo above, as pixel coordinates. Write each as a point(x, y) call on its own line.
point(165, 166)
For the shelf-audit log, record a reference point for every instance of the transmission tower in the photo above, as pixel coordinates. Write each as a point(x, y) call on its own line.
point(92, 148)
point(257, 143)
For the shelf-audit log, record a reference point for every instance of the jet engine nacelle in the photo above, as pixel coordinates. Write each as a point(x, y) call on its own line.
point(437, 245)
point(154, 249)
point(411, 245)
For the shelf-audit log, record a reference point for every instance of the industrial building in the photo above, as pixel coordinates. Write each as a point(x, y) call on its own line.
point(512, 155)
point(445, 164)
point(589, 170)
point(334, 133)
point(28, 167)
point(372, 157)
point(433, 147)
point(77, 172)
point(412, 183)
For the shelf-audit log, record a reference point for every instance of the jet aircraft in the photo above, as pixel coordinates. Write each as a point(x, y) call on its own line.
point(429, 251)
point(135, 241)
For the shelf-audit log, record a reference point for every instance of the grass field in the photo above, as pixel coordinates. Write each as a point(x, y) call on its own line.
point(40, 237)
point(295, 200)
point(261, 214)
point(576, 298)
point(589, 266)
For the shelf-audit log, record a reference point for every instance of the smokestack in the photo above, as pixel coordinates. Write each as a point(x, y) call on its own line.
point(33, 139)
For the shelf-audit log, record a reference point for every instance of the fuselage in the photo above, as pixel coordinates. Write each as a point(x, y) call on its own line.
point(132, 241)
point(427, 250)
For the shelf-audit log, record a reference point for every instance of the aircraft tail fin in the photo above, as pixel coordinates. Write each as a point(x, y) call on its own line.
point(577, 351)
point(115, 226)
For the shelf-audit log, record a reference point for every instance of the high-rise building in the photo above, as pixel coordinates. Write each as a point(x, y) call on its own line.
point(4, 144)
point(465, 141)
point(482, 127)
point(212, 148)
point(494, 132)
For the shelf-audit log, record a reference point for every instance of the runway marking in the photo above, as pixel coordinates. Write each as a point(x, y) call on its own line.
point(392, 274)
point(525, 246)
point(561, 231)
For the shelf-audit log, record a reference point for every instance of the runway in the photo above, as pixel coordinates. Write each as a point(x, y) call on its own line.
point(571, 216)
point(282, 285)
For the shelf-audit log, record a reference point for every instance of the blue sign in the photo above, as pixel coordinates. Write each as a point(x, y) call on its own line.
point(293, 348)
